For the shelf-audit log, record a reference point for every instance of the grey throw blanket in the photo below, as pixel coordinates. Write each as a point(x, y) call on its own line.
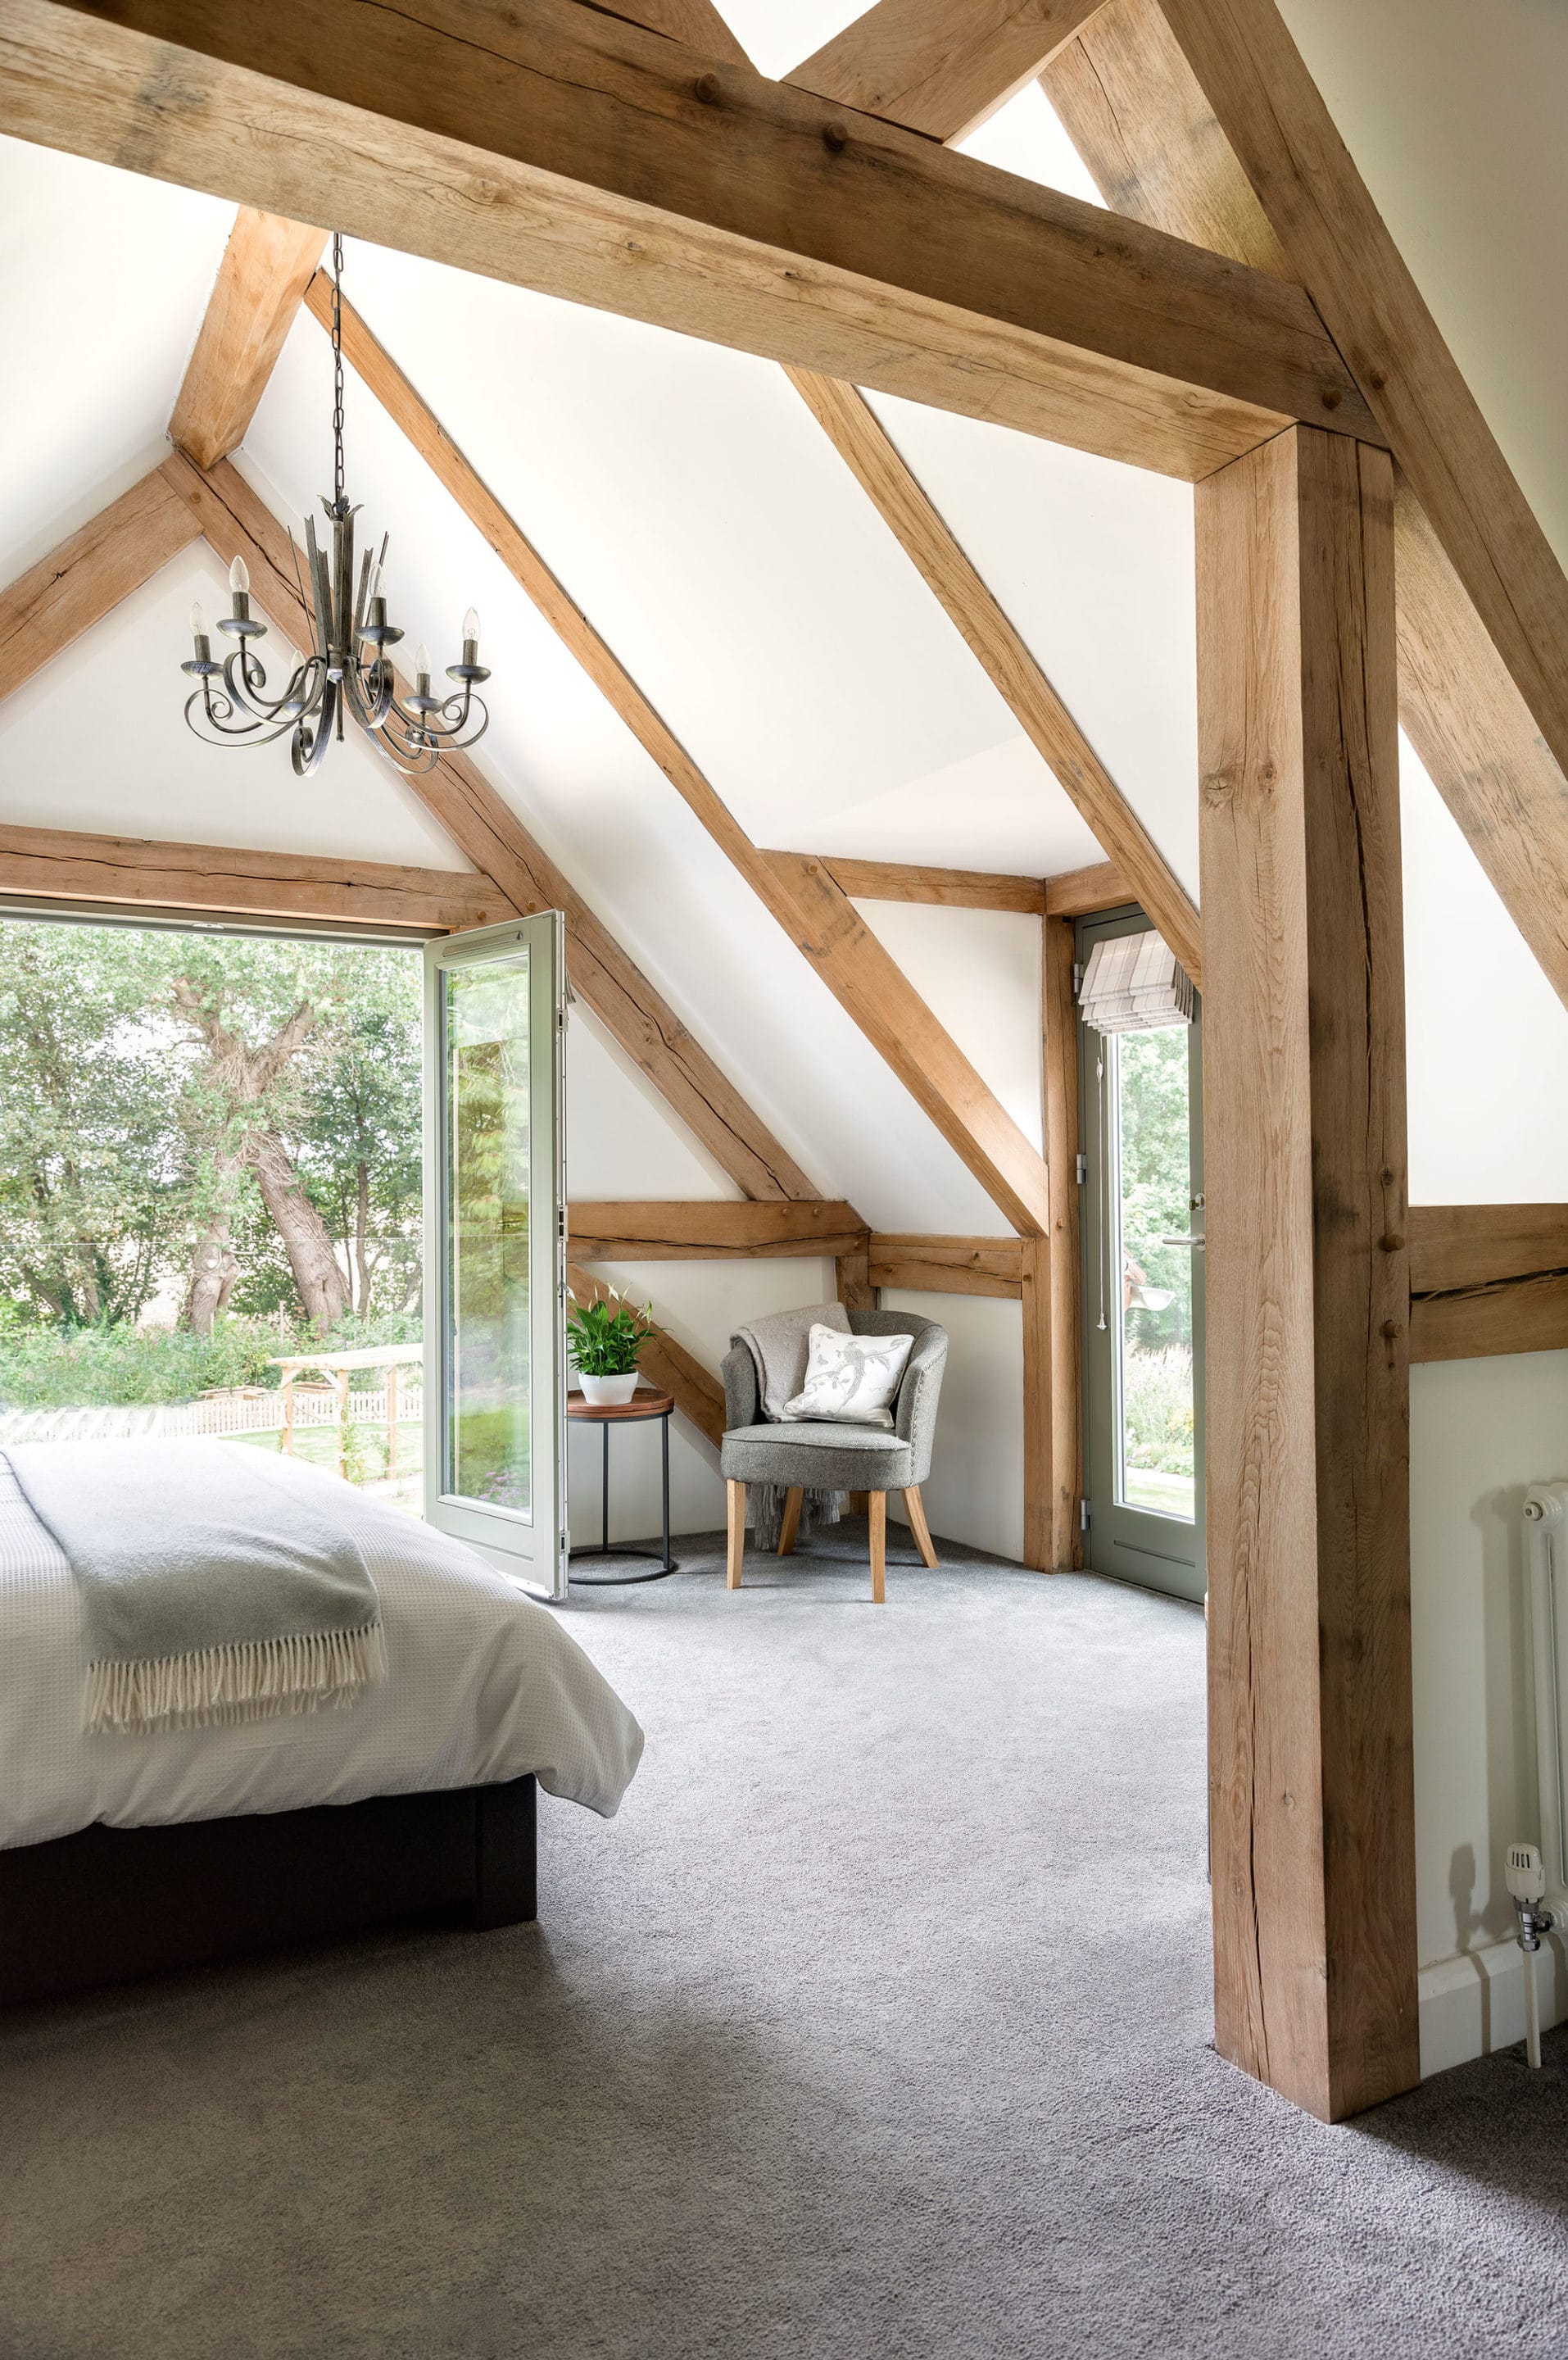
point(780, 1346)
point(216, 1585)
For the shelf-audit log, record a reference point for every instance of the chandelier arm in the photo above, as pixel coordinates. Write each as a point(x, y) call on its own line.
point(216, 713)
point(251, 734)
point(310, 747)
point(242, 688)
point(379, 680)
point(413, 762)
point(456, 731)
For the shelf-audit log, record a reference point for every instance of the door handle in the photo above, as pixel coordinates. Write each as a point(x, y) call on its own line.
point(1197, 1242)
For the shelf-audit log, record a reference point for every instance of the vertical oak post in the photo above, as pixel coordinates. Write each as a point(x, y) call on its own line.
point(1311, 1774)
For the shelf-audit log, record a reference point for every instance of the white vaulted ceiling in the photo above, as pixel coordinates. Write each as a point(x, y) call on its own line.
point(697, 513)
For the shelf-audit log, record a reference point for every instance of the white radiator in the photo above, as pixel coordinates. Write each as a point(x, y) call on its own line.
point(1546, 1637)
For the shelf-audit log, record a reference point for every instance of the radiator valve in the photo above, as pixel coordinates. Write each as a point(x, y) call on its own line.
point(1527, 1884)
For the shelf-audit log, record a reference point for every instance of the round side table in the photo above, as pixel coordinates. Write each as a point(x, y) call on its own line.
point(641, 1406)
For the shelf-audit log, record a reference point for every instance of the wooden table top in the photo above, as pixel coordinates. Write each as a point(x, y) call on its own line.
point(641, 1405)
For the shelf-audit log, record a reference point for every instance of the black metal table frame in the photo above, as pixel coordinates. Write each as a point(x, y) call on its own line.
point(663, 1563)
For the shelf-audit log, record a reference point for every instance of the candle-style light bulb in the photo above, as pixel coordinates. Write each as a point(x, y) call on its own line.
point(422, 661)
point(470, 625)
point(239, 577)
point(198, 620)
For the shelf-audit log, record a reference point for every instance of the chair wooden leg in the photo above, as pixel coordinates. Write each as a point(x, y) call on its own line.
point(914, 1508)
point(789, 1523)
point(737, 1497)
point(876, 1508)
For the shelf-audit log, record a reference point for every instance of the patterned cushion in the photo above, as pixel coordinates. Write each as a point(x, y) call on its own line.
point(851, 1379)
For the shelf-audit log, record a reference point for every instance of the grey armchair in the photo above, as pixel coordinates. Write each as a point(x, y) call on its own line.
point(812, 1457)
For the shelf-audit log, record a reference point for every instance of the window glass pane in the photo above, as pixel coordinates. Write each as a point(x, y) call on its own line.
point(488, 1374)
point(1151, 1203)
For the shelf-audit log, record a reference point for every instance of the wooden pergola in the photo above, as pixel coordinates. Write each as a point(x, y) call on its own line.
point(1242, 320)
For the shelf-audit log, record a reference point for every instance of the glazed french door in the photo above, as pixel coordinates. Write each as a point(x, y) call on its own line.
point(1142, 1227)
point(494, 1257)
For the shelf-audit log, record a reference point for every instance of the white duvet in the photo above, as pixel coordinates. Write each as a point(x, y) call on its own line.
point(484, 1686)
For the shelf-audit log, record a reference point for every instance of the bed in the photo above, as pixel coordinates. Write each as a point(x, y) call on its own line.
point(123, 1854)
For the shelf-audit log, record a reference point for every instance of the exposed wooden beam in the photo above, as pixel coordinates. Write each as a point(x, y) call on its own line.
point(77, 584)
point(697, 22)
point(1308, 1450)
point(266, 266)
point(1081, 892)
point(954, 889)
point(1487, 1279)
point(561, 148)
point(490, 833)
point(857, 1293)
point(708, 1231)
point(1131, 106)
point(1511, 1314)
point(67, 864)
point(947, 1265)
point(1202, 120)
point(1336, 243)
point(939, 66)
point(699, 1393)
point(1058, 1536)
point(1475, 1245)
point(1477, 742)
point(898, 1022)
point(868, 451)
point(818, 916)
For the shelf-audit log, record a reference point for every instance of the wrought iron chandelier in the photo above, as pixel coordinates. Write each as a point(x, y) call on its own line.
point(350, 674)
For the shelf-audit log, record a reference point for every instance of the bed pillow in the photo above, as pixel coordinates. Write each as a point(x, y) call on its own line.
point(851, 1379)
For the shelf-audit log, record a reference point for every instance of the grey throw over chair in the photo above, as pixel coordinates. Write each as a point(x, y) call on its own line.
point(823, 1456)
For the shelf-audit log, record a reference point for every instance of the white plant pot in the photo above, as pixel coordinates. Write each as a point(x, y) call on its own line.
point(605, 1391)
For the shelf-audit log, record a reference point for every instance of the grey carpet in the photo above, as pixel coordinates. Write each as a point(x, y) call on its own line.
point(877, 2025)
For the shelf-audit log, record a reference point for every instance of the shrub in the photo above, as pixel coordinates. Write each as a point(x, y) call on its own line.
point(66, 1368)
point(1157, 1405)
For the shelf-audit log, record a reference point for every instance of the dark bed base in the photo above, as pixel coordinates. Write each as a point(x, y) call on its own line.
point(111, 1903)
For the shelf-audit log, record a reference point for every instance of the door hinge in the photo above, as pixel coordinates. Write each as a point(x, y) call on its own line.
point(1077, 978)
point(1083, 1516)
point(1082, 1167)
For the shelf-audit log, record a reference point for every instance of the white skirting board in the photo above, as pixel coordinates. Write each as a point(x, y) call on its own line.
point(1474, 2004)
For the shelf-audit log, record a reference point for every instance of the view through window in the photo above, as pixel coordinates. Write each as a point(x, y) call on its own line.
point(1149, 1098)
point(210, 1168)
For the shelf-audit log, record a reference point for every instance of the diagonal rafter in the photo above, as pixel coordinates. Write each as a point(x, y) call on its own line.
point(1487, 712)
point(939, 66)
point(267, 264)
point(697, 1391)
point(79, 582)
point(799, 892)
point(872, 456)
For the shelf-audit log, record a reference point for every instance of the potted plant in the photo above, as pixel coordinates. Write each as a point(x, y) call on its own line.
point(604, 1345)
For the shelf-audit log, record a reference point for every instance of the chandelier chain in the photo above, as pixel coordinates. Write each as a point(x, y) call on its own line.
point(337, 371)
